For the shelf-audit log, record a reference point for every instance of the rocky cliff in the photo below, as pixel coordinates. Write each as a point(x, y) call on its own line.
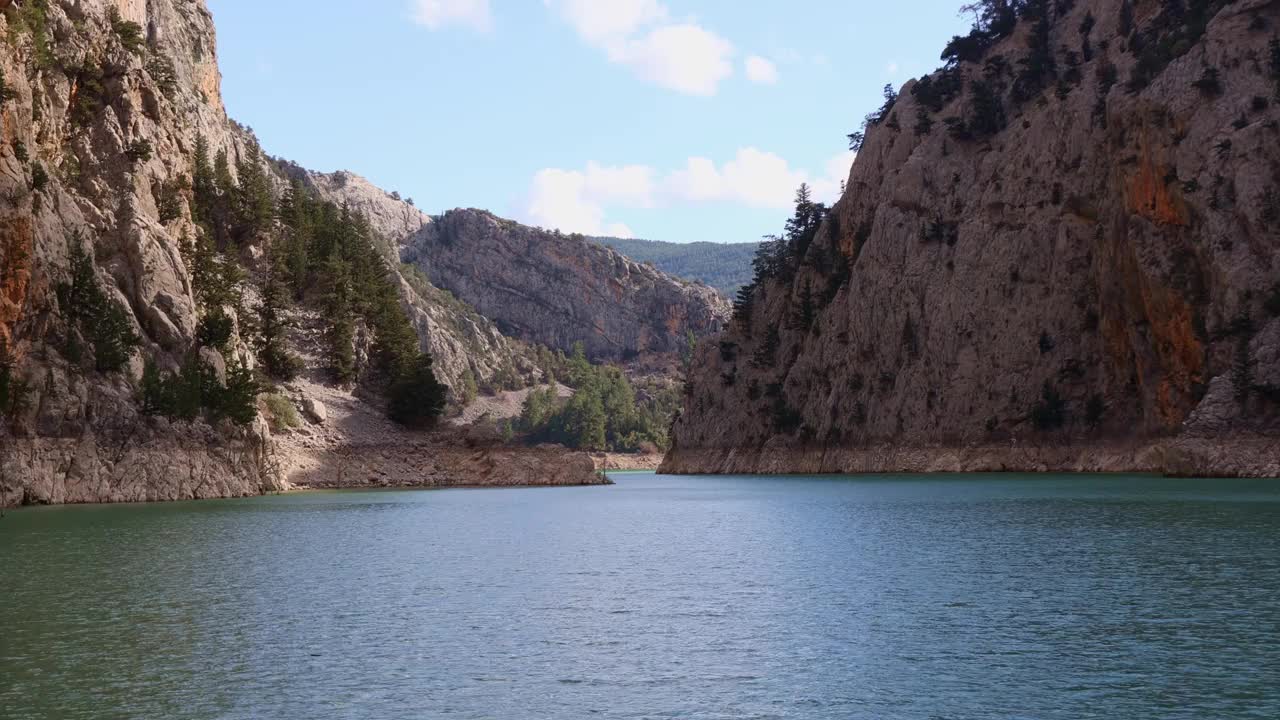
point(558, 290)
point(466, 345)
point(103, 104)
point(1060, 251)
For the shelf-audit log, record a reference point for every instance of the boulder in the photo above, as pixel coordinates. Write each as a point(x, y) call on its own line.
point(315, 411)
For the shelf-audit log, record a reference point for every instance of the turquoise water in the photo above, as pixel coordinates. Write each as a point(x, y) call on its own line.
point(660, 597)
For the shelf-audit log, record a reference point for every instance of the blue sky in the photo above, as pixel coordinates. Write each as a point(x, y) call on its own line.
point(675, 120)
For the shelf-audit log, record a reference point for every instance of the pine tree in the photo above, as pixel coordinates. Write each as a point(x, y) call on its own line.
point(204, 186)
point(151, 391)
point(537, 410)
point(113, 337)
point(744, 304)
point(102, 319)
point(273, 330)
point(254, 204)
point(341, 316)
point(583, 422)
point(215, 277)
point(236, 401)
point(6, 376)
point(803, 316)
point(580, 370)
point(417, 399)
point(295, 209)
point(223, 180)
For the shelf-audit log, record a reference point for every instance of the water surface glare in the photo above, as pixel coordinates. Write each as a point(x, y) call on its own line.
point(887, 597)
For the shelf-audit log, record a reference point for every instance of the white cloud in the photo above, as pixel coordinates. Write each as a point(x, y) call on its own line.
point(574, 201)
point(435, 14)
point(602, 22)
point(580, 200)
point(753, 177)
point(681, 56)
point(556, 200)
point(827, 187)
point(631, 185)
point(618, 230)
point(891, 69)
point(761, 71)
point(684, 58)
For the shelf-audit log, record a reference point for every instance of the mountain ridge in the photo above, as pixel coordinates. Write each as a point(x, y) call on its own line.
point(724, 266)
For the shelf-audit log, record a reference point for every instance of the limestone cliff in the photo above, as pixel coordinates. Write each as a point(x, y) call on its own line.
point(1067, 238)
point(462, 341)
point(558, 290)
point(102, 103)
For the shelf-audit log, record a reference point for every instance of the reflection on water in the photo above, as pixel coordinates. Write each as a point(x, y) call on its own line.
point(886, 597)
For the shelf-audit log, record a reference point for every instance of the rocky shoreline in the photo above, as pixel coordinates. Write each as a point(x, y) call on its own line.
point(428, 465)
point(1251, 457)
point(627, 461)
point(164, 469)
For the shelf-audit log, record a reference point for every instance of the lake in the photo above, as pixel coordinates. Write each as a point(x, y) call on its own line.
point(887, 597)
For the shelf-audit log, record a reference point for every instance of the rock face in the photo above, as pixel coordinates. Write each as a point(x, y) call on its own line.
point(1077, 248)
point(95, 136)
point(99, 122)
point(558, 290)
point(390, 217)
point(461, 341)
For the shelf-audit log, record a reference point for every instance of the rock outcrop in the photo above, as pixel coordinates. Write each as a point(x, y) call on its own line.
point(558, 290)
point(391, 217)
point(1068, 239)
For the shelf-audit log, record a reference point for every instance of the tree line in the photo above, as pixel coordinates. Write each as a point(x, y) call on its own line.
point(603, 412)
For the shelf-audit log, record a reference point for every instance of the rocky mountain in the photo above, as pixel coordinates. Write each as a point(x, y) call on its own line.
point(724, 266)
point(558, 290)
point(1057, 252)
point(107, 110)
point(464, 343)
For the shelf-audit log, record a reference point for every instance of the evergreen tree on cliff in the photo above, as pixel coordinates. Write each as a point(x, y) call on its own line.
point(417, 399)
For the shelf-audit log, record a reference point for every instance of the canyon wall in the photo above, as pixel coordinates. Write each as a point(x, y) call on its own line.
point(1066, 240)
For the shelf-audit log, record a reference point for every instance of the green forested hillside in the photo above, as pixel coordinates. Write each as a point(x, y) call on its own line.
point(724, 266)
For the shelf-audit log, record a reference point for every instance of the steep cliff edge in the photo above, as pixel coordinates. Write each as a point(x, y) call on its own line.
point(102, 105)
point(1059, 252)
point(558, 290)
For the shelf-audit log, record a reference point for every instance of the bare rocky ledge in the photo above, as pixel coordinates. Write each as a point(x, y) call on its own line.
point(430, 465)
point(157, 467)
point(1252, 457)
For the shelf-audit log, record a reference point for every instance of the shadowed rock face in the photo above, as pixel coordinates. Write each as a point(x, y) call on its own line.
point(558, 290)
point(1101, 267)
